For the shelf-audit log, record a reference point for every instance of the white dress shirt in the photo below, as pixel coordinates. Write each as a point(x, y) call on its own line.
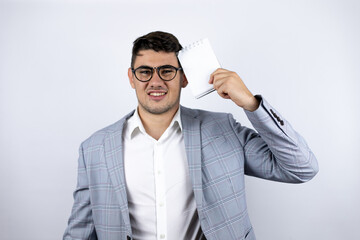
point(160, 196)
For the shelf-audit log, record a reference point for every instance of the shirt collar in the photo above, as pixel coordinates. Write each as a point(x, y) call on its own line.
point(134, 124)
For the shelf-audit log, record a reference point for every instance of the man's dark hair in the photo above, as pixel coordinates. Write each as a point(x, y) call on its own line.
point(157, 41)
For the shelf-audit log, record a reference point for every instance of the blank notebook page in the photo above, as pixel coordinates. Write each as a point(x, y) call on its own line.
point(198, 61)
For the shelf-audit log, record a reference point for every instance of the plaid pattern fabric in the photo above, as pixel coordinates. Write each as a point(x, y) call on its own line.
point(219, 152)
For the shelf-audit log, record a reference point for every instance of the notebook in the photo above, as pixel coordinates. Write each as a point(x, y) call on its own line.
point(198, 61)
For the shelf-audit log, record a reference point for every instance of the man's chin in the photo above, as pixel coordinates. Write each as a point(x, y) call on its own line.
point(158, 110)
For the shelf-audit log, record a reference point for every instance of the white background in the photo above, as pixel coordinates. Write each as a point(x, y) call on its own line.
point(63, 75)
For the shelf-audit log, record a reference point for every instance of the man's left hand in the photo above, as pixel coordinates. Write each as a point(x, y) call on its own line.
point(230, 86)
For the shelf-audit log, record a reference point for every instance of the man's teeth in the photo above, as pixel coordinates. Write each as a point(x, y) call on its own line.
point(157, 94)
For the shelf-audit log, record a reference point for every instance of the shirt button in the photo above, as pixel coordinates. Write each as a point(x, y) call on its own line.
point(159, 172)
point(161, 204)
point(162, 236)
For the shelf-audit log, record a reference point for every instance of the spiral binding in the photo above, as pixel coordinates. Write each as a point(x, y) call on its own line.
point(195, 44)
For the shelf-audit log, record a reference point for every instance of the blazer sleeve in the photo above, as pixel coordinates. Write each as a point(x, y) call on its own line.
point(80, 224)
point(276, 151)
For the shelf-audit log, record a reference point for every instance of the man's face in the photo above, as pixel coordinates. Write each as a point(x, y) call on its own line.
point(157, 96)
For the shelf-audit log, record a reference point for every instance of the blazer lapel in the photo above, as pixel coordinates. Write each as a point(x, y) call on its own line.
point(191, 133)
point(114, 160)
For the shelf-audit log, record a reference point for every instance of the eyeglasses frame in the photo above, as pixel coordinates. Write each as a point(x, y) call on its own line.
point(157, 71)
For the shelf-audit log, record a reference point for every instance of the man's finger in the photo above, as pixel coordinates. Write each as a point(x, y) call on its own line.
point(217, 71)
point(223, 92)
point(218, 82)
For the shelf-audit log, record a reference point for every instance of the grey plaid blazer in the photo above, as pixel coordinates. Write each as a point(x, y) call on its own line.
point(219, 152)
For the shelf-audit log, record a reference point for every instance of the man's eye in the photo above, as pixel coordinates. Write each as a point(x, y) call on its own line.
point(145, 72)
point(167, 71)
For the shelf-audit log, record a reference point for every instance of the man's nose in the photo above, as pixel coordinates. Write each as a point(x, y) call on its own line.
point(156, 80)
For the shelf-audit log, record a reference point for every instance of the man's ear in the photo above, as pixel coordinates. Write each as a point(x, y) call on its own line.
point(131, 78)
point(184, 80)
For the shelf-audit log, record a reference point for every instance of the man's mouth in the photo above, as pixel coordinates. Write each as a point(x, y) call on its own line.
point(157, 94)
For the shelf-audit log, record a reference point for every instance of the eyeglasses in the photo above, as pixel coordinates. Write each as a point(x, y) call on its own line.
point(165, 72)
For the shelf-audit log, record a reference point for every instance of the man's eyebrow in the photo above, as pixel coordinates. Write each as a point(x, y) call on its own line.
point(146, 66)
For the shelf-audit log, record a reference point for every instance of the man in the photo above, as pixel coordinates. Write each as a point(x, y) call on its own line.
point(169, 172)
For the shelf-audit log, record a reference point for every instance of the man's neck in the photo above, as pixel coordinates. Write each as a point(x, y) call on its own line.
point(156, 124)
